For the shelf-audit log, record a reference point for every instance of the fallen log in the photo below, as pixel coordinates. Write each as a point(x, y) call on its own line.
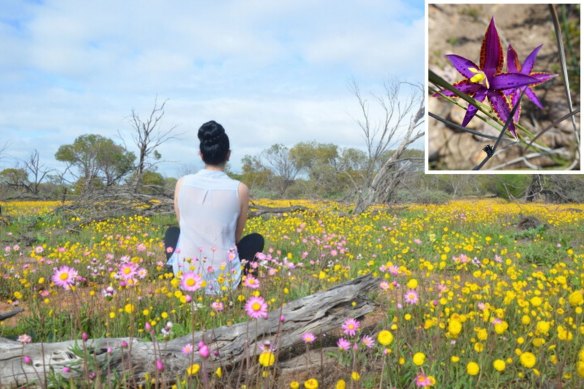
point(256, 210)
point(230, 346)
point(9, 314)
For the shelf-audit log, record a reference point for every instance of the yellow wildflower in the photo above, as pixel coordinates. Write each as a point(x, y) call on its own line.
point(385, 337)
point(267, 358)
point(419, 359)
point(193, 369)
point(472, 368)
point(499, 365)
point(527, 359)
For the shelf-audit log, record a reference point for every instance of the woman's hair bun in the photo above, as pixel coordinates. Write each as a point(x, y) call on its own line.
point(211, 132)
point(214, 143)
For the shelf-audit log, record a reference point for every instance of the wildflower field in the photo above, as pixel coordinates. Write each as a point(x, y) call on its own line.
point(479, 293)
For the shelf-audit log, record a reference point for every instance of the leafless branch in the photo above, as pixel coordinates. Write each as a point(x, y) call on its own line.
point(384, 173)
point(37, 171)
point(148, 135)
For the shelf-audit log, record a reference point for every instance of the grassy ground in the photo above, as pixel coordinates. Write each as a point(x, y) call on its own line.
point(473, 293)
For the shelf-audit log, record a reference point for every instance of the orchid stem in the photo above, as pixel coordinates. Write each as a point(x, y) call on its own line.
point(509, 120)
point(459, 127)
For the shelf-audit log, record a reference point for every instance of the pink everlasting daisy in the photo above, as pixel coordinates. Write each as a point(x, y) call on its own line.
point(217, 306)
point(24, 339)
point(188, 349)
point(350, 327)
point(394, 270)
point(411, 297)
point(256, 308)
point(344, 344)
point(251, 282)
point(65, 277)
point(142, 273)
point(368, 341)
point(191, 282)
point(423, 381)
point(128, 270)
point(308, 337)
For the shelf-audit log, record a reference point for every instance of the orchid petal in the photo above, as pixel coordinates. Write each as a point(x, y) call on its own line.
point(501, 107)
point(514, 100)
point(472, 110)
point(511, 81)
point(491, 51)
point(465, 86)
point(542, 77)
point(462, 64)
point(531, 95)
point(530, 61)
point(513, 64)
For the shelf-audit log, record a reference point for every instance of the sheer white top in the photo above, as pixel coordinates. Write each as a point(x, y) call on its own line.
point(209, 206)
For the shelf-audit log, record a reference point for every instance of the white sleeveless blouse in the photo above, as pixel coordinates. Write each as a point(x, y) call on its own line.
point(209, 206)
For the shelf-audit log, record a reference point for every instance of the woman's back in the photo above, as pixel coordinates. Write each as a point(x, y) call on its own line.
point(209, 207)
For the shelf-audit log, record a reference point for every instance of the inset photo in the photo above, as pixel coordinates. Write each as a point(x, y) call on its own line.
point(504, 88)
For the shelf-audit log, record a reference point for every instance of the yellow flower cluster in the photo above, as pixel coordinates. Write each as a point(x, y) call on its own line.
point(462, 289)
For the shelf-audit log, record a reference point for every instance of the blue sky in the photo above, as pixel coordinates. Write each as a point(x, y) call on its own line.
point(269, 71)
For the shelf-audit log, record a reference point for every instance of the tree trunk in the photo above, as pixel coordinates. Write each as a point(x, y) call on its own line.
point(534, 189)
point(230, 346)
point(387, 178)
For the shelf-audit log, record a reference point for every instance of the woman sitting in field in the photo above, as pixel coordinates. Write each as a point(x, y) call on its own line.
point(211, 209)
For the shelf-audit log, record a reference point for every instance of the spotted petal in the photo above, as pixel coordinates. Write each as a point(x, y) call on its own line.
point(531, 96)
point(472, 110)
point(511, 81)
point(543, 77)
point(465, 86)
point(530, 61)
point(491, 51)
point(515, 97)
point(513, 64)
point(501, 107)
point(462, 64)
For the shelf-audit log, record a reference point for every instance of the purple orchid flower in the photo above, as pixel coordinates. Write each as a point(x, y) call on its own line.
point(487, 80)
point(514, 66)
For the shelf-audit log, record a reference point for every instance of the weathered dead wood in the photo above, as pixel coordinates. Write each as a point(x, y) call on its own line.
point(9, 314)
point(318, 313)
point(256, 210)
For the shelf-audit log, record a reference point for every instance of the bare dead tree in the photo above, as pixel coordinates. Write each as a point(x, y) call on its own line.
point(37, 172)
point(148, 136)
point(278, 159)
point(535, 188)
point(387, 139)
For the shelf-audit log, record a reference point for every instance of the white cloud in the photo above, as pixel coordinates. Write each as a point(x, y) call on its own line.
point(270, 71)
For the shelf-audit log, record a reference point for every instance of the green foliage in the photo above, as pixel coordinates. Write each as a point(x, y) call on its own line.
point(510, 186)
point(310, 157)
point(97, 159)
point(254, 173)
point(427, 196)
point(152, 182)
point(13, 177)
point(541, 253)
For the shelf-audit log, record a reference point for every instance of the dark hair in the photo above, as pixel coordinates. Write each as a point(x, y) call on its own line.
point(214, 144)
